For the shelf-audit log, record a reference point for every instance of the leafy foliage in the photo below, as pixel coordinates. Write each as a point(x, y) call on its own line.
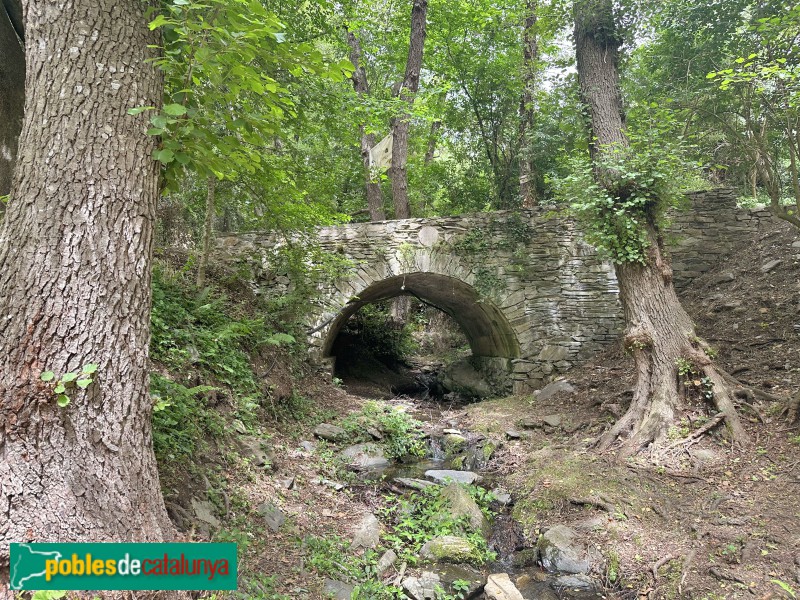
point(637, 184)
point(402, 435)
point(424, 515)
point(200, 337)
point(330, 557)
point(69, 381)
point(377, 335)
point(225, 61)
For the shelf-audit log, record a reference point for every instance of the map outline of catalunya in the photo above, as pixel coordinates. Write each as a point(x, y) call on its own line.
point(14, 581)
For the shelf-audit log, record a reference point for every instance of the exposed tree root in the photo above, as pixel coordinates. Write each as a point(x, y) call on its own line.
point(667, 355)
point(660, 563)
point(716, 420)
point(654, 408)
point(598, 502)
point(793, 412)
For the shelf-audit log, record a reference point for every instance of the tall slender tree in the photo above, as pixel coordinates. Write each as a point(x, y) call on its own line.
point(75, 259)
point(398, 173)
point(530, 55)
point(361, 86)
point(659, 333)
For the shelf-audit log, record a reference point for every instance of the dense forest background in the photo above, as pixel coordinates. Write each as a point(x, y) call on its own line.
point(496, 104)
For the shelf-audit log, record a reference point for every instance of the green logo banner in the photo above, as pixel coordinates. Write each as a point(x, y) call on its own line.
point(98, 566)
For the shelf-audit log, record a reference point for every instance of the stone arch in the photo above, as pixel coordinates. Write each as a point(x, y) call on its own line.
point(484, 325)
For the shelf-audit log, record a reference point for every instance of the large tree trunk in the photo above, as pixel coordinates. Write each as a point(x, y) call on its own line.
point(75, 258)
point(361, 86)
point(12, 89)
point(530, 55)
point(659, 333)
point(398, 173)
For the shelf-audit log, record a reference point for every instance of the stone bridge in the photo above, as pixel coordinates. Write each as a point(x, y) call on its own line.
point(529, 294)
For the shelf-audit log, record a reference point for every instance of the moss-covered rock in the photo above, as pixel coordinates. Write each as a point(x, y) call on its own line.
point(450, 549)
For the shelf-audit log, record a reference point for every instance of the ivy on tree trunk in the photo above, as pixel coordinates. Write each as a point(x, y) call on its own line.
point(659, 333)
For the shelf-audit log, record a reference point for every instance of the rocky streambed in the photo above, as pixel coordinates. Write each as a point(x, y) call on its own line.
point(478, 550)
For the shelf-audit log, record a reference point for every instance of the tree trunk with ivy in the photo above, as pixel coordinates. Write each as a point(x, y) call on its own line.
point(659, 333)
point(75, 263)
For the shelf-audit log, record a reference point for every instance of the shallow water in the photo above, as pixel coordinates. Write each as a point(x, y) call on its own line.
point(506, 539)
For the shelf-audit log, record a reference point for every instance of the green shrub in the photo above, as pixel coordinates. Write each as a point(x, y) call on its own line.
point(199, 337)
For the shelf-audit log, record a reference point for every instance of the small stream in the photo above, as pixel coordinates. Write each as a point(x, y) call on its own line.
point(515, 556)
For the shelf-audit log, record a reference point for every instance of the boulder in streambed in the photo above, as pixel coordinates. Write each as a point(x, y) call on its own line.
point(422, 587)
point(449, 549)
point(441, 476)
point(364, 457)
point(471, 579)
point(500, 587)
point(461, 505)
point(386, 562)
point(560, 551)
point(413, 484)
point(574, 582)
point(463, 378)
point(368, 533)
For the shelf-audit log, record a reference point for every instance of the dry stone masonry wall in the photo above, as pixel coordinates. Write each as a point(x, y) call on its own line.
point(525, 287)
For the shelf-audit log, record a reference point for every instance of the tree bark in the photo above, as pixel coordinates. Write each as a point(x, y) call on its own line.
point(433, 138)
point(12, 90)
point(398, 173)
point(208, 232)
point(75, 261)
point(361, 86)
point(658, 330)
point(530, 54)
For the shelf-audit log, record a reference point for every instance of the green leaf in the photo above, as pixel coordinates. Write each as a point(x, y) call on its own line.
point(60, 388)
point(62, 400)
point(165, 156)
point(47, 376)
point(67, 377)
point(159, 21)
point(176, 110)
point(89, 369)
point(277, 339)
point(83, 383)
point(139, 109)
